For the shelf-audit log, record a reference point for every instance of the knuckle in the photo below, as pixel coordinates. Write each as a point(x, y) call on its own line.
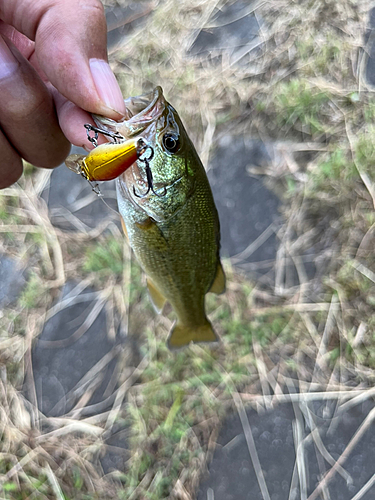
point(91, 12)
point(96, 6)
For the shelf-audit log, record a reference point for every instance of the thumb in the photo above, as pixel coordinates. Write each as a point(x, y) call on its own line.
point(70, 46)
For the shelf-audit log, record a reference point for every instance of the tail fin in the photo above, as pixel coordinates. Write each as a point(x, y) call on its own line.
point(182, 335)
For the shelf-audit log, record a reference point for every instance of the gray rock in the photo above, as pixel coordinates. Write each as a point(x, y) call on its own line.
point(122, 21)
point(116, 453)
point(12, 279)
point(370, 49)
point(234, 29)
point(60, 361)
point(246, 207)
point(232, 475)
point(250, 216)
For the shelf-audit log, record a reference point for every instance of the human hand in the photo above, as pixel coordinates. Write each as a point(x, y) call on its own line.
point(53, 73)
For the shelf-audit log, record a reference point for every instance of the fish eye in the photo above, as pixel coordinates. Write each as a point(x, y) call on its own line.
point(171, 143)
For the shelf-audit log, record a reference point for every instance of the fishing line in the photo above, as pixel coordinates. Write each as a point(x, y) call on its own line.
point(96, 189)
point(106, 204)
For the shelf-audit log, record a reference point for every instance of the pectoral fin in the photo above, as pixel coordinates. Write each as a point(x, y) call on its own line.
point(182, 335)
point(158, 300)
point(155, 237)
point(218, 285)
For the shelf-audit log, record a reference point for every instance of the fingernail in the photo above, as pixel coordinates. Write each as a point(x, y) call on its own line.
point(107, 86)
point(8, 64)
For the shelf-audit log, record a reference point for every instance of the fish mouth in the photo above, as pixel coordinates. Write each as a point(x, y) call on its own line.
point(143, 107)
point(144, 115)
point(140, 113)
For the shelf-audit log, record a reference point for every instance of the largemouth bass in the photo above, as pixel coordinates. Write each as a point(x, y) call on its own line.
point(169, 215)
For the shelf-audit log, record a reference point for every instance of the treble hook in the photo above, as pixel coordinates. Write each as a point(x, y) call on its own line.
point(94, 140)
point(145, 147)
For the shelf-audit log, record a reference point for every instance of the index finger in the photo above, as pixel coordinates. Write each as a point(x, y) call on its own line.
point(70, 46)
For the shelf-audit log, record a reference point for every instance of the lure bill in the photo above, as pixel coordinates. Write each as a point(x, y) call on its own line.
point(107, 161)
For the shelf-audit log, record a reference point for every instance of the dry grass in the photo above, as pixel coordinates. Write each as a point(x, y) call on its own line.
point(280, 343)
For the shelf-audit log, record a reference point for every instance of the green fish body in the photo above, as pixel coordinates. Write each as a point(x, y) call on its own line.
point(172, 228)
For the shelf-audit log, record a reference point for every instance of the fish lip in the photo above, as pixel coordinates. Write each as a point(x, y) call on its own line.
point(134, 124)
point(156, 94)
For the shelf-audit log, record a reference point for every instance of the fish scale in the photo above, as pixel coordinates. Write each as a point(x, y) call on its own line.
point(174, 270)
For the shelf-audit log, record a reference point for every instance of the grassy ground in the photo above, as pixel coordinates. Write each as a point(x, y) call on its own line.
point(304, 84)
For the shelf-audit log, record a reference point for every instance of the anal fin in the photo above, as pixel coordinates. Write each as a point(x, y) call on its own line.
point(158, 300)
point(218, 285)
